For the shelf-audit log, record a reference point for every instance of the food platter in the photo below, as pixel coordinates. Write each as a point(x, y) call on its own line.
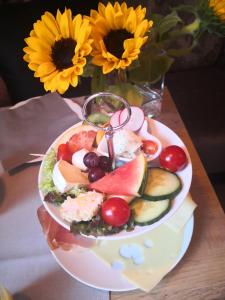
point(79, 261)
point(167, 137)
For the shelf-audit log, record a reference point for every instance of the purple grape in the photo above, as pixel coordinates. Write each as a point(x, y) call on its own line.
point(105, 163)
point(95, 174)
point(91, 160)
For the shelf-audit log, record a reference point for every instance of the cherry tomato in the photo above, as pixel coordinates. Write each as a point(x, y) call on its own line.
point(149, 147)
point(115, 211)
point(64, 153)
point(173, 158)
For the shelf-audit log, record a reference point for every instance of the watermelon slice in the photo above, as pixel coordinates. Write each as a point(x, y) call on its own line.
point(125, 180)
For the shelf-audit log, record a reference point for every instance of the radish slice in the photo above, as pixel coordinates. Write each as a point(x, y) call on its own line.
point(115, 119)
point(136, 119)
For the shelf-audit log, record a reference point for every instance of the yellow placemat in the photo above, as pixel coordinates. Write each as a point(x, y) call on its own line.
point(144, 260)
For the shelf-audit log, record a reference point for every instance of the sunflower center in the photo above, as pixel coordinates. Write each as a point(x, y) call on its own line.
point(114, 41)
point(63, 52)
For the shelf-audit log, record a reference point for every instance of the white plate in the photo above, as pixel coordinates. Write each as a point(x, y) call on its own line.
point(83, 265)
point(167, 137)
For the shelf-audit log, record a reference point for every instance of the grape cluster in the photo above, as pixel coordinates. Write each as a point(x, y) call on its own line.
point(97, 165)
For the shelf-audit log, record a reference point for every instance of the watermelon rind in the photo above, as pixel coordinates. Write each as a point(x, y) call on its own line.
point(128, 179)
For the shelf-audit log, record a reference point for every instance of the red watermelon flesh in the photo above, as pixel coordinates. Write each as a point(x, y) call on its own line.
point(125, 180)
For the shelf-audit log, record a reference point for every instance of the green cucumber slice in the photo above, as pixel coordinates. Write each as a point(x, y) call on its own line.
point(147, 212)
point(161, 184)
point(144, 181)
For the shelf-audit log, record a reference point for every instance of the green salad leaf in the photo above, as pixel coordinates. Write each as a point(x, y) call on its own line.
point(47, 185)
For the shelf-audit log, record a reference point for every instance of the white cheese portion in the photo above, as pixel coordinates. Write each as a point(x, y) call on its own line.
point(65, 176)
point(78, 159)
point(81, 208)
point(180, 218)
point(126, 143)
point(160, 248)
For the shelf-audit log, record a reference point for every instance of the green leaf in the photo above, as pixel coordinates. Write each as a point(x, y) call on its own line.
point(99, 81)
point(187, 29)
point(88, 70)
point(152, 67)
point(167, 23)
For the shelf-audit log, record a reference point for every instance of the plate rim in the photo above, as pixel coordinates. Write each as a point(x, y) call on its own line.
point(187, 237)
point(120, 235)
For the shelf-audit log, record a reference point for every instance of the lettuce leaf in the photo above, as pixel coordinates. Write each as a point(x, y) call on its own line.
point(47, 185)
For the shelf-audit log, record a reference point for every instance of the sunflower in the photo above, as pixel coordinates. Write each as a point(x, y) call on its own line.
point(218, 6)
point(57, 48)
point(119, 33)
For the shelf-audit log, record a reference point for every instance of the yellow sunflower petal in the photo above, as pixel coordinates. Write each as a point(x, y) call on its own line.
point(131, 22)
point(141, 29)
point(43, 32)
point(40, 57)
point(140, 13)
point(26, 57)
point(124, 8)
point(109, 15)
point(118, 17)
point(74, 80)
point(63, 24)
point(108, 67)
point(101, 9)
point(98, 60)
point(45, 69)
point(70, 22)
point(49, 77)
point(67, 72)
point(28, 50)
point(37, 44)
point(77, 21)
point(32, 66)
point(51, 23)
point(62, 84)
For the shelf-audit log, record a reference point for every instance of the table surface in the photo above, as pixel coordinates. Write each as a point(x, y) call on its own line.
point(201, 273)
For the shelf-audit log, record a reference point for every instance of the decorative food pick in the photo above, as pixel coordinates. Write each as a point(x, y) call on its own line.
point(99, 100)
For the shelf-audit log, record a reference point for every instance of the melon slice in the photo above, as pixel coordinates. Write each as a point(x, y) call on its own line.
point(125, 180)
point(65, 176)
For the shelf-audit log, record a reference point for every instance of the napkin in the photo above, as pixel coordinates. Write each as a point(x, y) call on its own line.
point(31, 128)
point(27, 268)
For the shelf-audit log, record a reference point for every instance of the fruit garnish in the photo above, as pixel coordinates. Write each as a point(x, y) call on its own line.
point(105, 163)
point(115, 211)
point(64, 153)
point(95, 174)
point(65, 176)
point(91, 160)
point(99, 136)
point(125, 180)
point(83, 139)
point(149, 147)
point(173, 158)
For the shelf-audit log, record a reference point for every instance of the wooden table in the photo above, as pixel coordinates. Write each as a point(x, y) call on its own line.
point(201, 273)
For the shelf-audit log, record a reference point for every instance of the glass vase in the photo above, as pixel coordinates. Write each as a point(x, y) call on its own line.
point(152, 94)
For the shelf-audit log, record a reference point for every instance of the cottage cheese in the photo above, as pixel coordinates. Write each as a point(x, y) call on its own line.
point(81, 208)
point(126, 143)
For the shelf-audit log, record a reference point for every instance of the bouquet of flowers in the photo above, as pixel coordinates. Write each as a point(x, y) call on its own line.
point(115, 44)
